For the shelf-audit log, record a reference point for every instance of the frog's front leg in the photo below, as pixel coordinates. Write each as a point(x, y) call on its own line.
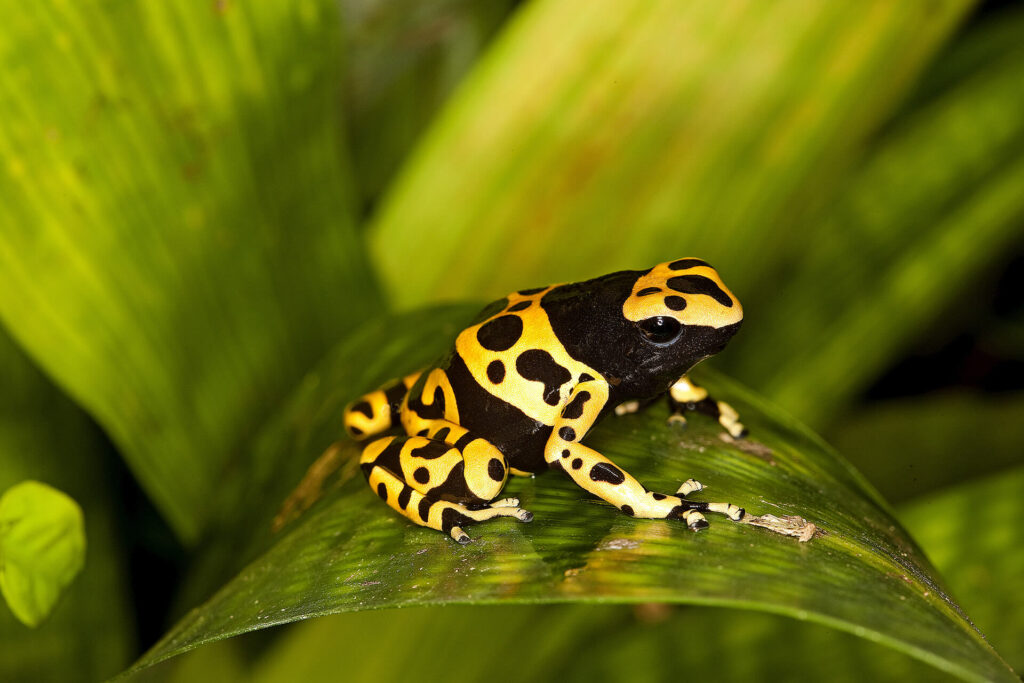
point(685, 395)
point(603, 478)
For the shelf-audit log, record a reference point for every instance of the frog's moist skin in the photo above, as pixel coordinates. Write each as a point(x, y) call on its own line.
point(525, 383)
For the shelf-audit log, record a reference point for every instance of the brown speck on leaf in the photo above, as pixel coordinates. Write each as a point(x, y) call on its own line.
point(747, 445)
point(310, 489)
point(652, 612)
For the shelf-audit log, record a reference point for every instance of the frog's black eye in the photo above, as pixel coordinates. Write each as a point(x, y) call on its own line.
point(660, 329)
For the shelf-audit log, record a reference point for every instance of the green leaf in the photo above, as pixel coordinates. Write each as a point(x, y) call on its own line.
point(42, 548)
point(348, 552)
point(936, 205)
point(307, 424)
point(177, 244)
point(45, 437)
point(917, 445)
point(979, 553)
point(973, 534)
point(651, 642)
point(699, 129)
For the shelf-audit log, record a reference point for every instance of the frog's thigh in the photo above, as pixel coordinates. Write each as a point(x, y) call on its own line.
point(413, 474)
point(485, 468)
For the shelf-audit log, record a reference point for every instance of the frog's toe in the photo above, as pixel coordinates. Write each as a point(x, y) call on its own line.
point(627, 408)
point(690, 486)
point(695, 520)
point(677, 420)
point(524, 515)
point(459, 535)
point(733, 512)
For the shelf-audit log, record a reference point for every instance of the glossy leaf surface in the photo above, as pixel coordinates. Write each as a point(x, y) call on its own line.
point(979, 556)
point(349, 552)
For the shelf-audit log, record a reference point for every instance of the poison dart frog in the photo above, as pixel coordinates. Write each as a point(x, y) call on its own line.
point(526, 382)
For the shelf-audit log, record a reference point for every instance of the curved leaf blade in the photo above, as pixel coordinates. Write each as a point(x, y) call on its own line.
point(937, 203)
point(690, 125)
point(980, 554)
point(865, 576)
point(981, 551)
point(177, 245)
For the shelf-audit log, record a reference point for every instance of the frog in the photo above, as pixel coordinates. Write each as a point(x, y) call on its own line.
point(530, 377)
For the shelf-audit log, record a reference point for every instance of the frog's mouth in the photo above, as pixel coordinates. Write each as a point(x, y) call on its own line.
point(720, 338)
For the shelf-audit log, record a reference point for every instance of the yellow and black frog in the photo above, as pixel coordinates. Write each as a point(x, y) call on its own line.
point(525, 383)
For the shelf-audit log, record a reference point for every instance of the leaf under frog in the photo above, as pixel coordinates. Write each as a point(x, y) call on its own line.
point(346, 551)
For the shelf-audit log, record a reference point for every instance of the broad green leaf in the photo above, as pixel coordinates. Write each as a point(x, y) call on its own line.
point(403, 60)
point(973, 534)
point(980, 554)
point(692, 128)
point(44, 437)
point(347, 552)
point(911, 446)
point(176, 234)
point(936, 205)
point(42, 548)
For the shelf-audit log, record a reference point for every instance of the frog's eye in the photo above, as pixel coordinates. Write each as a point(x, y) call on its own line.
point(660, 329)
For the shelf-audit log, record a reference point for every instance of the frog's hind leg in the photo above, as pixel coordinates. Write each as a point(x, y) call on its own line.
point(377, 411)
point(431, 483)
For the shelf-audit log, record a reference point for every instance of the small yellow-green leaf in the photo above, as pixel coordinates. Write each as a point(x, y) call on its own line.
point(45, 437)
point(42, 548)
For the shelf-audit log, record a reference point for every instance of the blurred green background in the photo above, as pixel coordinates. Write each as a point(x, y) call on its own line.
point(201, 202)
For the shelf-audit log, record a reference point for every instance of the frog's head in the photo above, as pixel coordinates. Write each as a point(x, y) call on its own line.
point(683, 308)
point(645, 329)
point(683, 313)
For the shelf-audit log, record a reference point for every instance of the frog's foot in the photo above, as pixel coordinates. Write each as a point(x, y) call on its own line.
point(689, 486)
point(691, 510)
point(730, 420)
point(685, 396)
point(454, 515)
point(627, 408)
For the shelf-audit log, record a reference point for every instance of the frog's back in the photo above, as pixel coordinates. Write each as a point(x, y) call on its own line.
point(510, 373)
